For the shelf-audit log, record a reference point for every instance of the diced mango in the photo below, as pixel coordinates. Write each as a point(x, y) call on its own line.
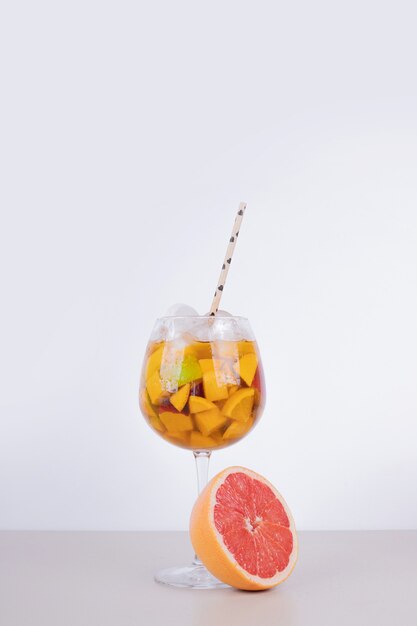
point(209, 421)
point(156, 423)
point(198, 404)
point(179, 399)
point(237, 429)
point(206, 365)
point(239, 405)
point(201, 442)
point(154, 387)
point(212, 389)
point(217, 435)
point(247, 367)
point(176, 422)
point(179, 436)
point(154, 362)
point(145, 404)
point(231, 389)
point(246, 347)
point(200, 349)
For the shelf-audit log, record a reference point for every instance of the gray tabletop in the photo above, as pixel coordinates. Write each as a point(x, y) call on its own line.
point(103, 578)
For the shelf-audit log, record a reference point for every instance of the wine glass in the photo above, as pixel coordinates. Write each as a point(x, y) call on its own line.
point(202, 388)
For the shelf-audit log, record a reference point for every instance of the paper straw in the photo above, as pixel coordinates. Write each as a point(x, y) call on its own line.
point(227, 259)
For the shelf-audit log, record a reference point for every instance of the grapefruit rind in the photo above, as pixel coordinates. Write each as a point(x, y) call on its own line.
point(209, 545)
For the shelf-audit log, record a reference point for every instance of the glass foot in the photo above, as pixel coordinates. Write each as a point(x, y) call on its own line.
point(193, 576)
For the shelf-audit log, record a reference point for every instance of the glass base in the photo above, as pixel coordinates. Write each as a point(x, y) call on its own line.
point(193, 576)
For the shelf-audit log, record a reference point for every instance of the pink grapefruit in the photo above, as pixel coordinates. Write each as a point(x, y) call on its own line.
point(243, 531)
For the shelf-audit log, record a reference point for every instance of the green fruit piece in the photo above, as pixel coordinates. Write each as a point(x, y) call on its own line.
point(190, 370)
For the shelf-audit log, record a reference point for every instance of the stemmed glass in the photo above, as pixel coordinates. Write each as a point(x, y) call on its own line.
point(202, 388)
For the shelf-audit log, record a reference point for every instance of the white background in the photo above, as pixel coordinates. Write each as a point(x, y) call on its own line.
point(129, 133)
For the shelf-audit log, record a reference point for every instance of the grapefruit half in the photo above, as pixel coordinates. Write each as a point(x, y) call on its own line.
point(243, 531)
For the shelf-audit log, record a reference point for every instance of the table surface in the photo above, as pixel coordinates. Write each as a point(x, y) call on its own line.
point(88, 578)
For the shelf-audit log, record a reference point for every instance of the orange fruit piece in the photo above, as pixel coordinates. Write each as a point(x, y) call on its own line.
point(156, 423)
point(243, 531)
point(206, 365)
point(180, 397)
point(154, 362)
point(237, 429)
point(239, 405)
point(212, 389)
point(232, 389)
point(176, 422)
point(200, 349)
point(208, 421)
point(246, 347)
point(201, 442)
point(154, 387)
point(197, 404)
point(145, 404)
point(179, 436)
point(247, 367)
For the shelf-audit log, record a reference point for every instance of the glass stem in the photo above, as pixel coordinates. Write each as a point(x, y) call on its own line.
point(202, 460)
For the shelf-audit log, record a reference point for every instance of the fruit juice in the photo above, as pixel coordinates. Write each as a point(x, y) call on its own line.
point(202, 395)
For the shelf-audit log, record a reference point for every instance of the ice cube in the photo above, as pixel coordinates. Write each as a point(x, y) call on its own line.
point(227, 329)
point(176, 328)
point(201, 329)
point(210, 328)
point(181, 310)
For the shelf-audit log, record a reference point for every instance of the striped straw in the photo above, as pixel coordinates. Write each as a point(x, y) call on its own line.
point(227, 259)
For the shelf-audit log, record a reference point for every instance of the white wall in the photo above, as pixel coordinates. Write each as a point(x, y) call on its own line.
point(129, 133)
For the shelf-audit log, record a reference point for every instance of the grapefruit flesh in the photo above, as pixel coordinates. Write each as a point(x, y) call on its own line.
point(243, 531)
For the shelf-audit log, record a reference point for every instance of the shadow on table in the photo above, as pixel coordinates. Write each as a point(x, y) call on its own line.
point(276, 606)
